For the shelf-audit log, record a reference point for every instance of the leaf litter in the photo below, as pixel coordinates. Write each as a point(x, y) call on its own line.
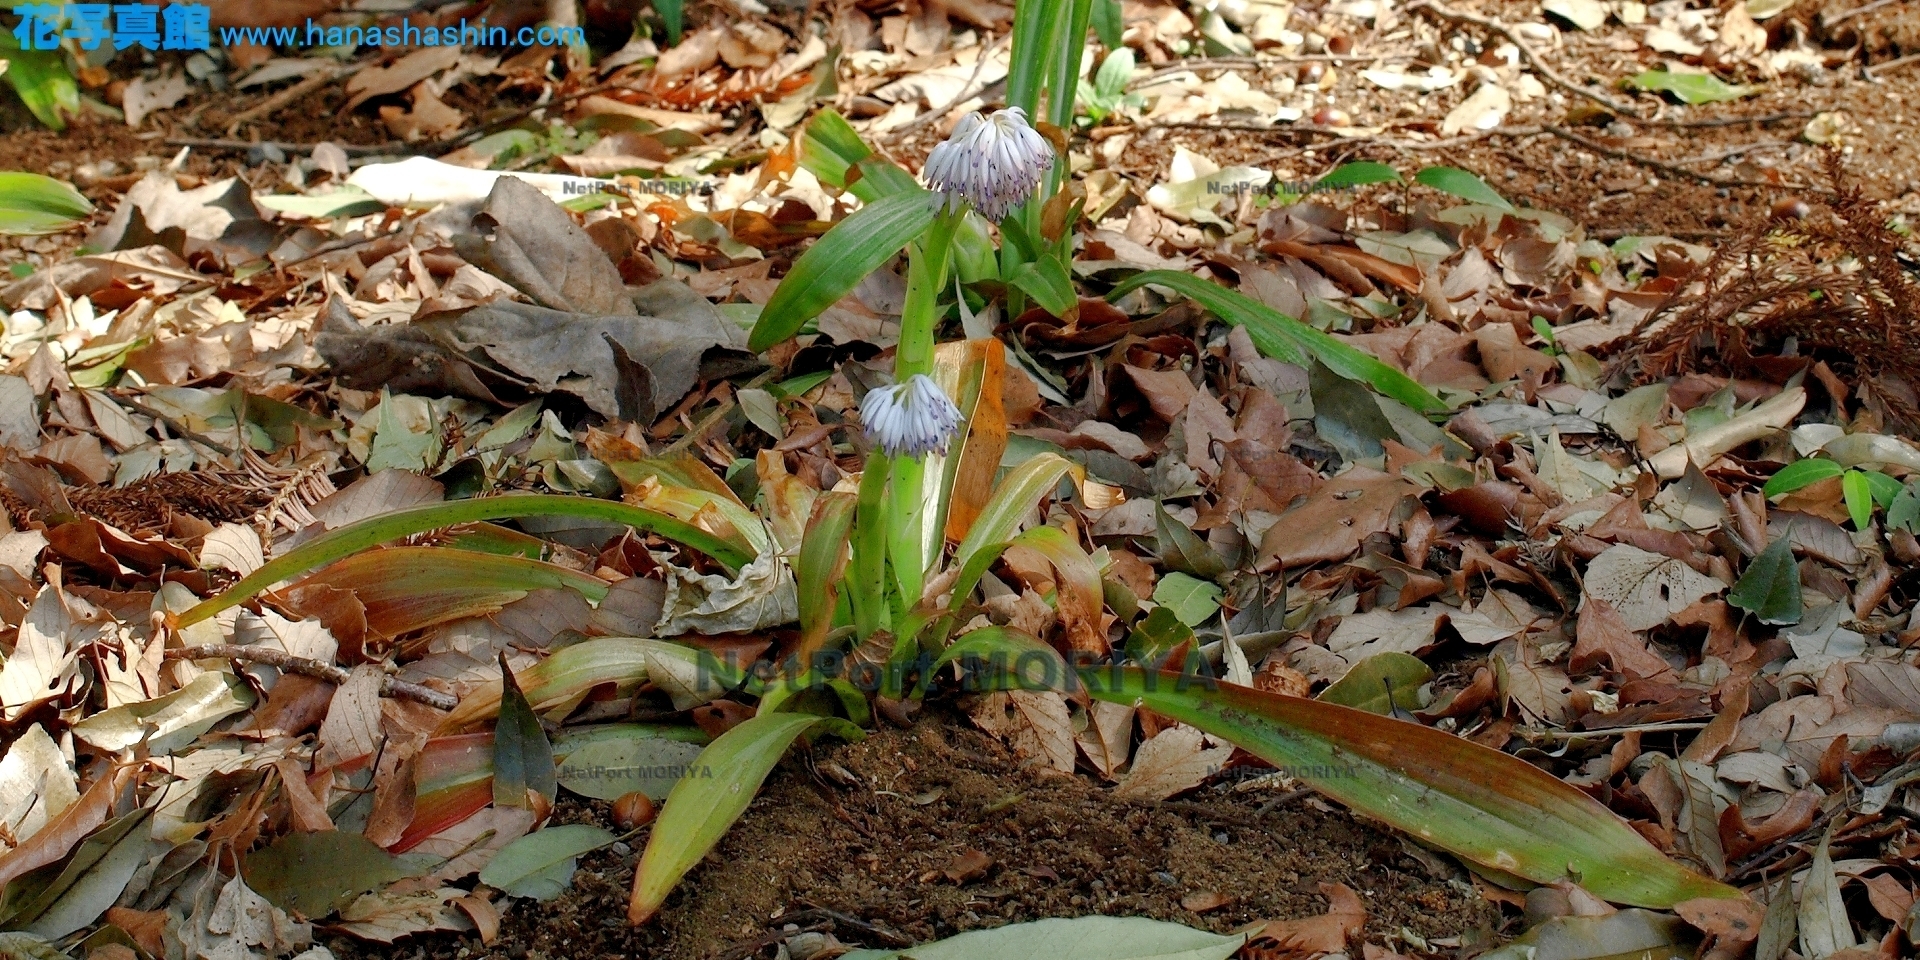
point(1584, 574)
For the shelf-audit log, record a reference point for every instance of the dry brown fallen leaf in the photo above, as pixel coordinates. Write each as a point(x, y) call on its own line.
point(1175, 760)
point(1346, 917)
point(1035, 724)
point(968, 866)
point(1332, 521)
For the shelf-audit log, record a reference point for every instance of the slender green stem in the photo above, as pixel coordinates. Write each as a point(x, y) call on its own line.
point(866, 591)
point(926, 278)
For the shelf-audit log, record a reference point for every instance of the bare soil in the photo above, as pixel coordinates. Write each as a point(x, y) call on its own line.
point(856, 840)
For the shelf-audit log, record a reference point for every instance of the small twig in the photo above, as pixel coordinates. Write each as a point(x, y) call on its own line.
point(280, 659)
point(1732, 152)
point(206, 143)
point(290, 96)
point(1664, 166)
point(449, 144)
point(880, 935)
point(1731, 121)
point(1261, 63)
point(959, 97)
point(1613, 731)
point(1857, 11)
point(1526, 52)
point(178, 427)
point(1879, 70)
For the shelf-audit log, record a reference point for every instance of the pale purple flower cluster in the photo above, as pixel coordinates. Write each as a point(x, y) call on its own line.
point(993, 161)
point(910, 419)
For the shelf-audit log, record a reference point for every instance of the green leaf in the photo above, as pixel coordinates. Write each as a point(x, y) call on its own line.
point(1691, 88)
point(1473, 801)
point(43, 82)
point(1193, 600)
point(1365, 686)
point(837, 262)
point(31, 203)
point(1859, 495)
point(1022, 487)
point(1045, 280)
point(1155, 638)
point(1079, 938)
point(1360, 173)
point(1284, 338)
point(1885, 489)
point(1111, 81)
point(1176, 546)
point(1017, 660)
point(830, 149)
point(1799, 474)
point(540, 865)
point(1904, 512)
point(701, 807)
point(373, 531)
point(610, 769)
point(1462, 184)
point(311, 875)
point(1770, 589)
point(673, 16)
point(522, 756)
point(820, 567)
point(1108, 24)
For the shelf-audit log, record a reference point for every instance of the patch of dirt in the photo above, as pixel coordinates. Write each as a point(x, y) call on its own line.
point(866, 862)
point(1613, 195)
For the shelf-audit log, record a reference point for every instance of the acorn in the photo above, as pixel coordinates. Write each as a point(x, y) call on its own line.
point(1339, 44)
point(633, 810)
point(1792, 208)
point(1332, 117)
point(1310, 73)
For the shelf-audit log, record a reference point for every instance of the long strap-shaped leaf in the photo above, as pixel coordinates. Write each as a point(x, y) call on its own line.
point(373, 531)
point(1284, 338)
point(1479, 803)
point(711, 795)
point(837, 262)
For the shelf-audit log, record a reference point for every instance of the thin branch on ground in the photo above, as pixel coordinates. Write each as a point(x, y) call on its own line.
point(1527, 53)
point(292, 95)
point(390, 148)
point(1665, 167)
point(1879, 70)
point(1856, 12)
point(282, 660)
point(959, 97)
point(1261, 63)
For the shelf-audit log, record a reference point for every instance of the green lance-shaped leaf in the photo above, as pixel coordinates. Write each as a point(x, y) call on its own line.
point(1284, 338)
point(710, 796)
point(540, 865)
point(1380, 683)
point(837, 262)
point(1770, 589)
point(522, 755)
point(409, 588)
point(31, 203)
point(1858, 491)
point(373, 531)
point(1022, 487)
point(311, 875)
point(830, 149)
point(566, 676)
point(42, 80)
point(1801, 473)
point(1691, 88)
point(1357, 174)
point(1473, 801)
point(817, 571)
point(1462, 184)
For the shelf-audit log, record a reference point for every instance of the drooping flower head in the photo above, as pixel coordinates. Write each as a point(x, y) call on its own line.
point(994, 161)
point(910, 419)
